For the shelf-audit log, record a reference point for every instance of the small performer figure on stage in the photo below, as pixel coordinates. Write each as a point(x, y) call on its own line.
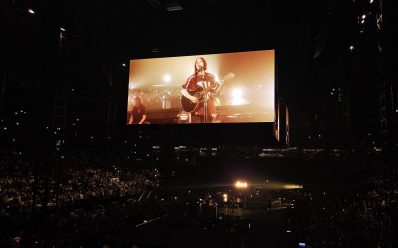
point(138, 114)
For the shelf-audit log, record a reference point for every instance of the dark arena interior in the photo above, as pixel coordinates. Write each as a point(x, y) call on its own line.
point(198, 123)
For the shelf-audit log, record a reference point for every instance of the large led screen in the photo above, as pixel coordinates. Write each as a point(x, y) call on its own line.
point(213, 88)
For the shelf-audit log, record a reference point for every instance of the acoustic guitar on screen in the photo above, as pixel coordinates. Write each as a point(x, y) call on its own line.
point(203, 94)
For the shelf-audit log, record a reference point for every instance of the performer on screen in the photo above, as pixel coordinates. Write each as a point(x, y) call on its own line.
point(205, 112)
point(138, 114)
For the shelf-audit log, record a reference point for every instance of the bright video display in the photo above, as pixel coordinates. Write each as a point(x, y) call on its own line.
point(213, 88)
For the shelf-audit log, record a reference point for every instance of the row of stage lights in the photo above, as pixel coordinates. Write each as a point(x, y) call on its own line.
point(241, 185)
point(361, 21)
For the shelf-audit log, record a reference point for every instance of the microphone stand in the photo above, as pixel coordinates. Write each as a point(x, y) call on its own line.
point(206, 99)
point(205, 107)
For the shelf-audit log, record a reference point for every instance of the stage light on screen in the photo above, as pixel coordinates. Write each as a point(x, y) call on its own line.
point(31, 11)
point(237, 98)
point(237, 93)
point(167, 78)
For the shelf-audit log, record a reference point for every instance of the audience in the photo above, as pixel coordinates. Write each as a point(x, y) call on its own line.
point(83, 197)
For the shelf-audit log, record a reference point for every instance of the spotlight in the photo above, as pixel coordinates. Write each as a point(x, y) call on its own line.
point(352, 48)
point(292, 186)
point(62, 29)
point(31, 11)
point(237, 93)
point(241, 185)
point(166, 78)
point(123, 64)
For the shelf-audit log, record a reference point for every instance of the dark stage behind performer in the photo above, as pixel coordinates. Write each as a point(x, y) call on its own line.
point(205, 112)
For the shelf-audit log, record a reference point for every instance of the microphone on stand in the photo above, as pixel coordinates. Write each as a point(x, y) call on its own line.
point(201, 71)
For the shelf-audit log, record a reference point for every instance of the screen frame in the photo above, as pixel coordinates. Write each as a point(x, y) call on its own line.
point(158, 55)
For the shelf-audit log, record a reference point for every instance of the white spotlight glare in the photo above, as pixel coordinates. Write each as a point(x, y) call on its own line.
point(166, 78)
point(241, 185)
point(62, 29)
point(237, 93)
point(31, 11)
